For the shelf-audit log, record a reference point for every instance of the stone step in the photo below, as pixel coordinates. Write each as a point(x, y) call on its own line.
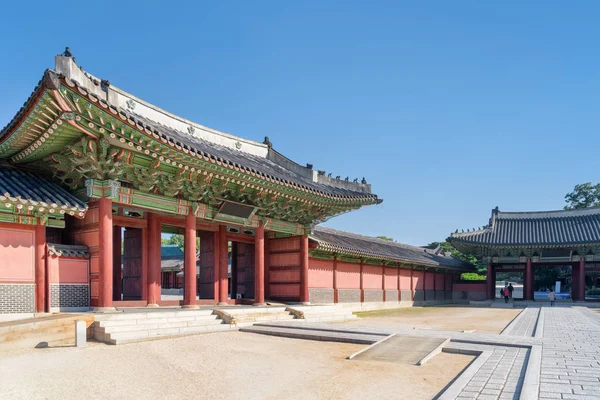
point(263, 317)
point(308, 334)
point(162, 325)
point(151, 315)
point(329, 318)
point(150, 321)
point(252, 310)
point(53, 329)
point(169, 333)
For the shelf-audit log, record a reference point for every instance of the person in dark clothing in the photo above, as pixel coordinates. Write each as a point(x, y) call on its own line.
point(506, 293)
point(510, 290)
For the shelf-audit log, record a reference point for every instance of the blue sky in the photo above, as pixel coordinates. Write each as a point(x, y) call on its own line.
point(447, 108)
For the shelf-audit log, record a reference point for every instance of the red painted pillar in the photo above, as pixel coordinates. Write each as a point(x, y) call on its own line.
point(398, 284)
point(425, 284)
point(40, 267)
point(490, 280)
point(581, 279)
point(528, 286)
point(116, 295)
point(267, 266)
point(223, 265)
point(335, 284)
point(383, 281)
point(304, 269)
point(154, 255)
point(105, 252)
point(412, 285)
point(362, 287)
point(259, 265)
point(189, 300)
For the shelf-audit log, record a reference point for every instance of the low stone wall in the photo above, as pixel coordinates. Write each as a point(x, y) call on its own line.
point(391, 295)
point(440, 295)
point(348, 296)
point(17, 298)
point(465, 292)
point(69, 297)
point(320, 295)
point(429, 294)
point(373, 295)
point(406, 295)
point(419, 295)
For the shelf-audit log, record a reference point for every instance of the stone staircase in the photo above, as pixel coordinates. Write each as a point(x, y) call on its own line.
point(331, 313)
point(44, 331)
point(246, 316)
point(121, 328)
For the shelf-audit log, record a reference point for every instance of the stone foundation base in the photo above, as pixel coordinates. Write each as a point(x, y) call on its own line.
point(17, 298)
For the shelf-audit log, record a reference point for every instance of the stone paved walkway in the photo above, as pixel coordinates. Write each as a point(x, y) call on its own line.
point(524, 324)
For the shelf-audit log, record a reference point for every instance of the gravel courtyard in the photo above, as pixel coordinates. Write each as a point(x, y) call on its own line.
point(218, 366)
point(451, 318)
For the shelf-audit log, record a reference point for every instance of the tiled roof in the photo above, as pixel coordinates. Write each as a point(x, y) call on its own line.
point(539, 228)
point(64, 250)
point(335, 241)
point(256, 163)
point(26, 189)
point(169, 250)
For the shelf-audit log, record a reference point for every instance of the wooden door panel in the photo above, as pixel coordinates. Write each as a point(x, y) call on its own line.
point(245, 269)
point(206, 276)
point(132, 264)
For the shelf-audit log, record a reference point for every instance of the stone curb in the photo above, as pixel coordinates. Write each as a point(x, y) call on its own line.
point(434, 352)
point(531, 383)
point(463, 379)
point(514, 322)
point(539, 325)
point(351, 356)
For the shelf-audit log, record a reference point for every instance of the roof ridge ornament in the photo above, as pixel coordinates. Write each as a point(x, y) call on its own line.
point(191, 130)
point(68, 53)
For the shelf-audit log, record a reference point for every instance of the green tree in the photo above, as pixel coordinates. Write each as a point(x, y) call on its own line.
point(583, 195)
point(179, 241)
point(385, 238)
point(480, 266)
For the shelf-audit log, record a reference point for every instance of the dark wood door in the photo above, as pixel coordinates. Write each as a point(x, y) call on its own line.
point(206, 275)
point(132, 264)
point(245, 269)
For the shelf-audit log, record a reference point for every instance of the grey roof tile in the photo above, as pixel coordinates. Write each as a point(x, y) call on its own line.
point(365, 246)
point(545, 228)
point(27, 188)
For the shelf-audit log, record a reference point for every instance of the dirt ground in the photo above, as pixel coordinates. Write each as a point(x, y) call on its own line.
point(487, 320)
point(231, 365)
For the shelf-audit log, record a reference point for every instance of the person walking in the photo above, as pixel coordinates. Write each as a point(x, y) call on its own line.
point(510, 290)
point(506, 293)
point(552, 297)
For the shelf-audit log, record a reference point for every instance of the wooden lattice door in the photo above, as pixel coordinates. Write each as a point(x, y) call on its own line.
point(245, 269)
point(132, 264)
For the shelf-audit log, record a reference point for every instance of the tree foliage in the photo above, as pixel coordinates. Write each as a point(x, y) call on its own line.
point(179, 241)
point(583, 195)
point(468, 258)
point(385, 238)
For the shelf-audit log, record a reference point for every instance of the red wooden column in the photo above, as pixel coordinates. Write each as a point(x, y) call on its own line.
point(267, 266)
point(490, 281)
point(189, 300)
point(154, 249)
point(335, 285)
point(398, 284)
point(40, 267)
point(412, 284)
point(304, 269)
point(105, 252)
point(223, 265)
point(528, 285)
point(259, 265)
point(434, 284)
point(383, 280)
point(362, 286)
point(581, 279)
point(117, 238)
point(424, 284)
